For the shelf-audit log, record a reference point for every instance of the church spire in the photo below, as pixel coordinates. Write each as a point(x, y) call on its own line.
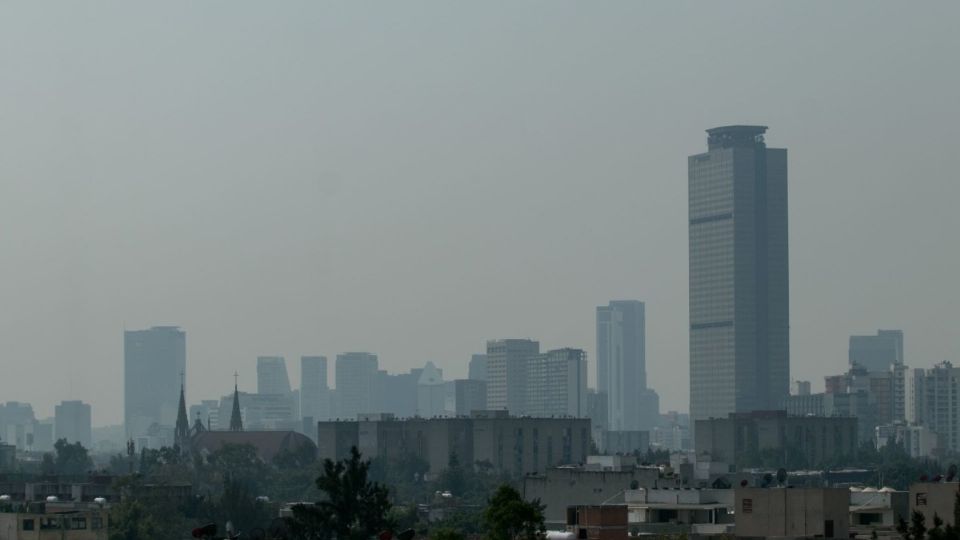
point(182, 430)
point(236, 422)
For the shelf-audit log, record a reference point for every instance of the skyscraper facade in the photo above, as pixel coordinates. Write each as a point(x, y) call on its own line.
point(557, 384)
point(507, 373)
point(72, 422)
point(153, 361)
point(314, 390)
point(739, 290)
point(622, 362)
point(478, 367)
point(356, 376)
point(272, 375)
point(877, 353)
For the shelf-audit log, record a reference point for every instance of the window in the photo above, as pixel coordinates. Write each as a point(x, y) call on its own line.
point(96, 522)
point(921, 499)
point(78, 523)
point(28, 524)
point(747, 506)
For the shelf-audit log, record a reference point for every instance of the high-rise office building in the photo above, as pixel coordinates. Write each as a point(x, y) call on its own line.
point(72, 422)
point(557, 384)
point(356, 376)
point(314, 390)
point(739, 289)
point(478, 367)
point(272, 375)
point(153, 362)
point(622, 363)
point(507, 373)
point(879, 352)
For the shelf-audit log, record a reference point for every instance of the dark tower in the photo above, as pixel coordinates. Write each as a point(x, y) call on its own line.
point(182, 430)
point(236, 422)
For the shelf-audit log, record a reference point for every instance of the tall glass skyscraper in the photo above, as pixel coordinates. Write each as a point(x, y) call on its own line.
point(622, 362)
point(739, 288)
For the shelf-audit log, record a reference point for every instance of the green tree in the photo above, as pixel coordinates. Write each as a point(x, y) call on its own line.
point(354, 508)
point(446, 533)
point(509, 517)
point(918, 527)
point(71, 459)
point(130, 520)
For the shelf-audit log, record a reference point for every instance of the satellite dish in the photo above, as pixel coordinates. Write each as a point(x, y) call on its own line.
point(743, 483)
point(767, 480)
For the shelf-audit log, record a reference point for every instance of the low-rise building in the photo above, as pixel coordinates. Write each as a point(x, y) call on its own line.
point(53, 521)
point(934, 499)
point(741, 437)
point(506, 444)
point(598, 522)
point(659, 511)
point(561, 487)
point(879, 510)
point(792, 512)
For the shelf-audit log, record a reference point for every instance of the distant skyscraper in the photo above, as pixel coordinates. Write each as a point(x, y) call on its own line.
point(622, 362)
point(739, 289)
point(314, 391)
point(431, 392)
point(72, 422)
point(507, 373)
point(879, 352)
point(272, 375)
point(356, 375)
point(154, 360)
point(478, 367)
point(557, 384)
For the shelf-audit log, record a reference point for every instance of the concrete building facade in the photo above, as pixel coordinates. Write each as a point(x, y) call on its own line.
point(792, 513)
point(507, 373)
point(742, 436)
point(356, 376)
point(506, 444)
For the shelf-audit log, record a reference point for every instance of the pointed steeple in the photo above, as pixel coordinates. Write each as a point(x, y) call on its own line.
point(181, 432)
point(236, 422)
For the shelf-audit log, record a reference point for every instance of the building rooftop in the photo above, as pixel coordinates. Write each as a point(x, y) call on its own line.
point(737, 135)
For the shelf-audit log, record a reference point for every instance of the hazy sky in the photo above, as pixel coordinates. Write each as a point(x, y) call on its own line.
point(414, 178)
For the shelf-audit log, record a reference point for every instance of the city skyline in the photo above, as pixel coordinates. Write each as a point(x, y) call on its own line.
point(418, 180)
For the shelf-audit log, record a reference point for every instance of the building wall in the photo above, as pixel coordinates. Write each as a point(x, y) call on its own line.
point(737, 436)
point(314, 389)
point(557, 384)
point(934, 498)
point(559, 488)
point(510, 445)
point(356, 376)
point(797, 512)
point(507, 373)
